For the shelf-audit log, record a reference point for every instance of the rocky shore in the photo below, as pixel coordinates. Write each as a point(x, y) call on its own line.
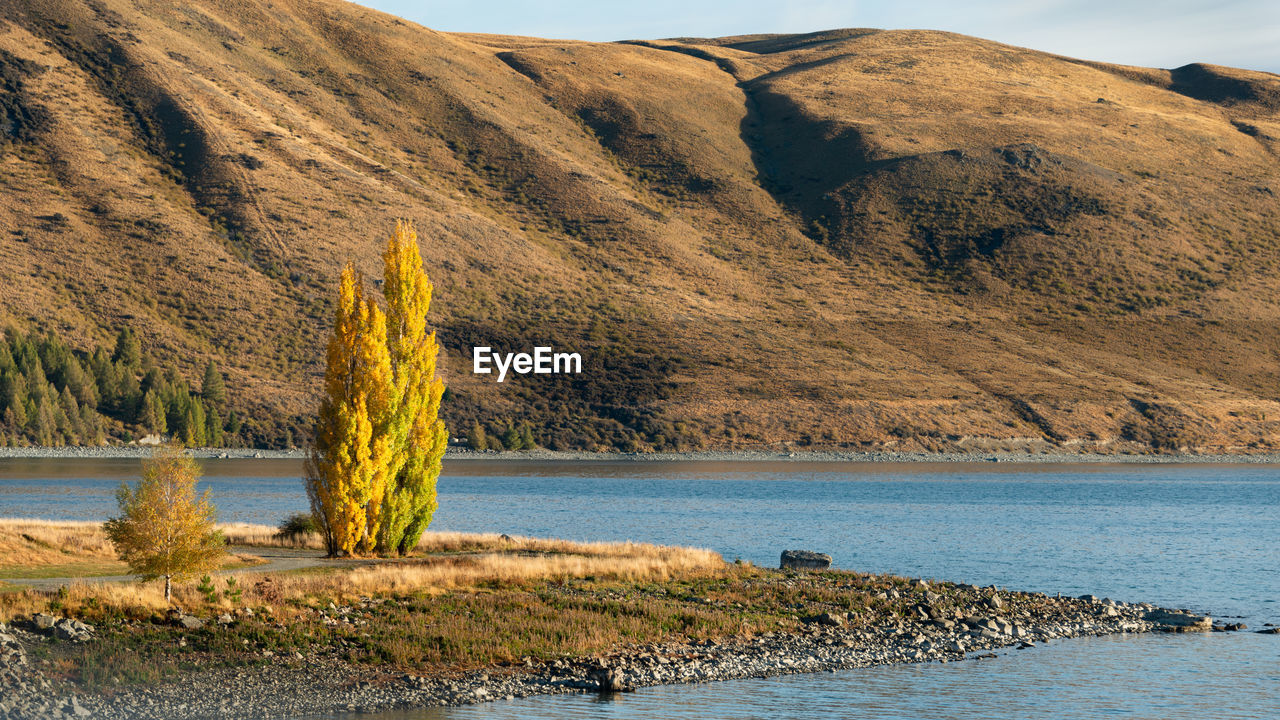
point(1038, 456)
point(975, 623)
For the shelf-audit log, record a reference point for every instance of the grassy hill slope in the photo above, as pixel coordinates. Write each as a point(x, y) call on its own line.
point(856, 238)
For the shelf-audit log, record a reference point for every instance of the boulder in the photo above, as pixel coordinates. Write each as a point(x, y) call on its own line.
point(1270, 631)
point(804, 560)
point(609, 681)
point(43, 621)
point(825, 618)
point(1179, 621)
point(64, 630)
point(190, 622)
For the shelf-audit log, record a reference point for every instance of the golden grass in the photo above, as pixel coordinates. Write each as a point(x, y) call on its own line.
point(48, 542)
point(442, 561)
point(454, 542)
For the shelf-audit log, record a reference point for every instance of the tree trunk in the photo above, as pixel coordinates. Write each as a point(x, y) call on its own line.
point(168, 587)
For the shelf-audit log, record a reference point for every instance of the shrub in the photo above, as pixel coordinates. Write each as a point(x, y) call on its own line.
point(297, 526)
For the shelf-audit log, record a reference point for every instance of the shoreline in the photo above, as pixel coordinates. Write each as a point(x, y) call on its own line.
point(986, 620)
point(1057, 457)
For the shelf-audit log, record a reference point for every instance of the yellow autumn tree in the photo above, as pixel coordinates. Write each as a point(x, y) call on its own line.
point(347, 469)
point(416, 433)
point(164, 530)
point(371, 474)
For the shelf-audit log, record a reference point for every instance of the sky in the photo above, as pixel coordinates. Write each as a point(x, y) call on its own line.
point(1170, 33)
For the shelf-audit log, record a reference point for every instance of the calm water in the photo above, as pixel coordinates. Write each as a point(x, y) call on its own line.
point(1194, 536)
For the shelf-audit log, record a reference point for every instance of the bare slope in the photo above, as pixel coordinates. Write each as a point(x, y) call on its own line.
point(852, 238)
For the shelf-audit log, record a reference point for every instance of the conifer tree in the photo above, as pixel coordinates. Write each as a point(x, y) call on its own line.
point(511, 438)
point(128, 351)
point(476, 438)
point(193, 424)
point(212, 389)
point(45, 424)
point(14, 397)
point(69, 415)
point(233, 423)
point(213, 427)
point(153, 415)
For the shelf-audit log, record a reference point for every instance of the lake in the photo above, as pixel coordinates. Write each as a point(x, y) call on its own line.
point(1202, 537)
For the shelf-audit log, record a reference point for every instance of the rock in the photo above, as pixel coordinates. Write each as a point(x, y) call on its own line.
point(1270, 631)
point(1089, 598)
point(225, 619)
point(825, 618)
point(190, 622)
point(609, 681)
point(43, 621)
point(994, 602)
point(804, 560)
point(75, 708)
point(504, 538)
point(1179, 622)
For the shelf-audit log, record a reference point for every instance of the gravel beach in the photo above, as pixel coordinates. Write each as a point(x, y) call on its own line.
point(799, 456)
point(985, 621)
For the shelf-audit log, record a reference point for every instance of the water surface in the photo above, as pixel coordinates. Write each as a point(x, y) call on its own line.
point(1202, 537)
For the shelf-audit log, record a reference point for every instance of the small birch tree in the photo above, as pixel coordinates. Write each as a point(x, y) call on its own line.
point(164, 529)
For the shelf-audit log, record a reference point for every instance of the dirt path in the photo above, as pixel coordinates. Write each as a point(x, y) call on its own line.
point(277, 560)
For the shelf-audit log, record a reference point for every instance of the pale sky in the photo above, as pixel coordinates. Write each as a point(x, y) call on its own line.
point(1241, 33)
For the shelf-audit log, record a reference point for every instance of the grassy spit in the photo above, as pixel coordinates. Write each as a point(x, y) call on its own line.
point(461, 602)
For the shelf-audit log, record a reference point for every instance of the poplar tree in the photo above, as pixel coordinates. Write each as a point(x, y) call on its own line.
point(371, 474)
point(346, 471)
point(417, 434)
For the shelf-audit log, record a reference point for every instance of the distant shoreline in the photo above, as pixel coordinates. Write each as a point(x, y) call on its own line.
point(812, 456)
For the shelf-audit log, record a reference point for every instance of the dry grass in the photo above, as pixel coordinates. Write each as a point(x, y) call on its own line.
point(30, 543)
point(442, 561)
point(456, 542)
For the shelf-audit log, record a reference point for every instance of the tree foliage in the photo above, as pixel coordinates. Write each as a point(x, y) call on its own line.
point(418, 436)
point(53, 395)
point(164, 529)
point(379, 442)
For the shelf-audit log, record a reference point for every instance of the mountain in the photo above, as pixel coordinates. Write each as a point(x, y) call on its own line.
point(855, 238)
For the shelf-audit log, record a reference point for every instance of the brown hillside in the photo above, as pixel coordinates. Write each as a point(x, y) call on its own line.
point(856, 238)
